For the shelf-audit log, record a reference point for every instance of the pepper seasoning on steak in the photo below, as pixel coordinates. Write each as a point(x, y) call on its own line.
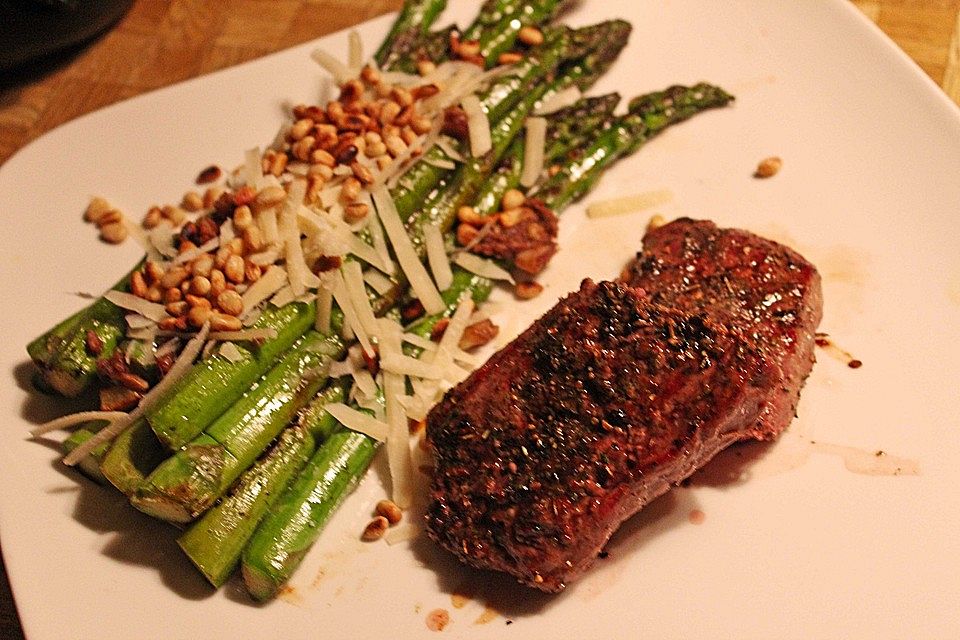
point(612, 397)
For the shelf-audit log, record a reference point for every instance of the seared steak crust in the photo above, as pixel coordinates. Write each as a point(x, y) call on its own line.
point(610, 398)
point(767, 290)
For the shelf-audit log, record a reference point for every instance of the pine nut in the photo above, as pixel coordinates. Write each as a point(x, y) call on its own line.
point(527, 290)
point(175, 215)
point(470, 216)
point(152, 218)
point(270, 196)
point(200, 286)
point(138, 285)
point(389, 112)
point(172, 295)
point(370, 75)
point(323, 157)
point(300, 129)
point(512, 199)
point(350, 190)
point(389, 510)
point(197, 301)
point(174, 277)
point(236, 246)
point(375, 150)
point(178, 308)
point(278, 164)
point(230, 302)
point(221, 256)
point(408, 135)
point(192, 201)
point(530, 36)
point(252, 271)
point(401, 96)
point(218, 283)
point(96, 209)
point(355, 212)
point(198, 316)
point(421, 124)
point(211, 195)
point(252, 239)
point(395, 145)
point(221, 322)
point(242, 218)
point(510, 217)
point(361, 172)
point(154, 294)
point(301, 148)
point(110, 217)
point(509, 57)
point(468, 48)
point(233, 269)
point(426, 67)
point(466, 233)
point(768, 167)
point(375, 530)
point(153, 271)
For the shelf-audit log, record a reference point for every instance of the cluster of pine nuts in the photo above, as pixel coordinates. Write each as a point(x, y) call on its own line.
point(107, 219)
point(470, 221)
point(366, 129)
point(388, 514)
point(469, 50)
point(207, 288)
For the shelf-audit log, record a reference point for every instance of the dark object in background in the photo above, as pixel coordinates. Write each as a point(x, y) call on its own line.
point(33, 29)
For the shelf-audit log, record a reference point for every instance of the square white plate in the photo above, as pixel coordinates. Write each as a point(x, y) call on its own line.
point(793, 543)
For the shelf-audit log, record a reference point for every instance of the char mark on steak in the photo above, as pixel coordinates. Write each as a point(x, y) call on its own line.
point(620, 391)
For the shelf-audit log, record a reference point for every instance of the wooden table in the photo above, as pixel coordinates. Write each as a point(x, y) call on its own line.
point(162, 42)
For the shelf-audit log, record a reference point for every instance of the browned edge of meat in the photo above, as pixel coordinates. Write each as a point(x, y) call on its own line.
point(613, 396)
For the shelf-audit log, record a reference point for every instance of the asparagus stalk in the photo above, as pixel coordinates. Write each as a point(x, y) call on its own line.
point(62, 354)
point(491, 14)
point(188, 483)
point(413, 22)
point(286, 534)
point(648, 116)
point(293, 525)
point(132, 456)
point(502, 36)
point(90, 465)
point(216, 383)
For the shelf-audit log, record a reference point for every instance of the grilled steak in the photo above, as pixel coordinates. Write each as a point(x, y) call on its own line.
point(616, 394)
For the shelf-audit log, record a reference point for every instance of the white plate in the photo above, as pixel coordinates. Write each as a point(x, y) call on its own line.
point(803, 547)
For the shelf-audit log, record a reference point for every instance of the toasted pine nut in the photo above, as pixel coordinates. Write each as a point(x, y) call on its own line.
point(278, 164)
point(200, 286)
point(421, 124)
point(197, 301)
point(355, 212)
point(389, 510)
point(395, 145)
point(172, 294)
point(362, 172)
point(153, 271)
point(350, 190)
point(96, 209)
point(222, 322)
point(270, 196)
point(154, 294)
point(466, 233)
point(322, 157)
point(302, 148)
point(192, 201)
point(242, 218)
point(401, 96)
point(512, 199)
point(178, 308)
point(218, 283)
point(174, 277)
point(468, 48)
point(300, 129)
point(370, 75)
point(470, 216)
point(375, 530)
point(138, 285)
point(252, 239)
point(175, 215)
point(230, 302)
point(152, 218)
point(426, 67)
point(198, 315)
point(252, 271)
point(233, 269)
point(527, 290)
point(530, 36)
point(510, 217)
point(509, 57)
point(768, 167)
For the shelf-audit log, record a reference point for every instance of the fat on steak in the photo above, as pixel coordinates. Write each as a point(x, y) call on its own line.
point(619, 392)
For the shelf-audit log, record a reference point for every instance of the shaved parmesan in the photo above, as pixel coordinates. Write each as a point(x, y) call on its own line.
point(137, 321)
point(324, 307)
point(230, 351)
point(360, 422)
point(264, 258)
point(129, 301)
point(357, 290)
point(335, 67)
point(397, 363)
point(269, 283)
point(196, 252)
point(437, 257)
point(74, 419)
point(629, 204)
point(267, 221)
point(377, 281)
point(350, 315)
point(266, 333)
point(398, 442)
point(533, 151)
point(161, 237)
point(379, 240)
point(478, 124)
point(446, 144)
point(419, 341)
point(364, 382)
point(253, 167)
point(354, 51)
point(559, 100)
point(417, 275)
point(482, 267)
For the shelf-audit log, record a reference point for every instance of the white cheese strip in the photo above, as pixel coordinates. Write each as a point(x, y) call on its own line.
point(360, 422)
point(357, 290)
point(269, 283)
point(417, 275)
point(125, 300)
point(478, 125)
point(533, 151)
point(437, 257)
point(196, 252)
point(74, 419)
point(482, 267)
point(253, 166)
point(324, 308)
point(354, 51)
point(406, 365)
point(377, 281)
point(350, 315)
point(336, 68)
point(629, 204)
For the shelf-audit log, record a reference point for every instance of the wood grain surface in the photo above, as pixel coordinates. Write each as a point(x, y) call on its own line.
point(161, 42)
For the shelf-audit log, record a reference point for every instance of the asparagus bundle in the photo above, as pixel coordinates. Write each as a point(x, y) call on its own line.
point(246, 437)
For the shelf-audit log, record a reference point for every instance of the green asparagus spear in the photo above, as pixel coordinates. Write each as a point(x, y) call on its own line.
point(649, 115)
point(414, 21)
point(491, 14)
point(132, 456)
point(502, 36)
point(187, 484)
point(286, 534)
point(215, 542)
point(90, 465)
point(216, 383)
